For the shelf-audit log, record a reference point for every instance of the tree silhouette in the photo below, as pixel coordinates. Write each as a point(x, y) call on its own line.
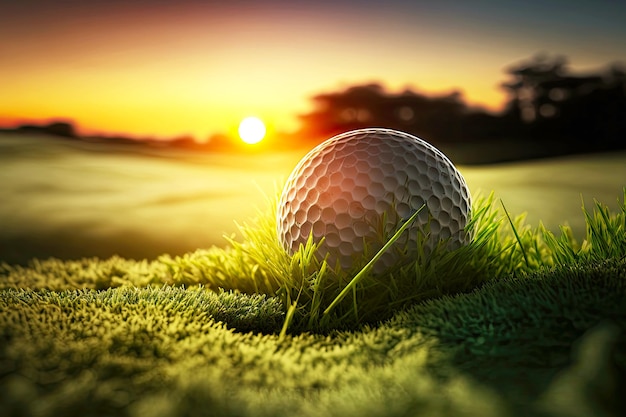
point(581, 112)
point(550, 111)
point(529, 90)
point(62, 129)
point(437, 117)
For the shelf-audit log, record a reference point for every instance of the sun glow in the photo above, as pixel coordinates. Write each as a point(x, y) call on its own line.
point(252, 130)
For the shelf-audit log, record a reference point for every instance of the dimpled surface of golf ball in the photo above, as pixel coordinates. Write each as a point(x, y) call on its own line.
point(356, 189)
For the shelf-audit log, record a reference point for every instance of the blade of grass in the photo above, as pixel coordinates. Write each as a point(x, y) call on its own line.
point(288, 318)
point(370, 264)
point(519, 240)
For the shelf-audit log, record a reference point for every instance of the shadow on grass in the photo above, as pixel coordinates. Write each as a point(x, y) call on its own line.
point(68, 244)
point(525, 337)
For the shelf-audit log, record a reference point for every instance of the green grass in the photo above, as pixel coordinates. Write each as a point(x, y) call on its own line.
point(519, 322)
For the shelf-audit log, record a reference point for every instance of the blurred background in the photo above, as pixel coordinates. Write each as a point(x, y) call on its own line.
point(149, 127)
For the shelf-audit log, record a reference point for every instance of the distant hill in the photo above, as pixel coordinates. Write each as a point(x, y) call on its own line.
point(60, 129)
point(64, 130)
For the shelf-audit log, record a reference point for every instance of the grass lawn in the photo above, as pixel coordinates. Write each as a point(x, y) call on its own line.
point(524, 321)
point(536, 331)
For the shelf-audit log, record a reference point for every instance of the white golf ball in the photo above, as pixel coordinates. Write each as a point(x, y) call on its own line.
point(356, 189)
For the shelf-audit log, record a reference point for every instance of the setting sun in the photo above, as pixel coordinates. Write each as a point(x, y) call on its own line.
point(251, 130)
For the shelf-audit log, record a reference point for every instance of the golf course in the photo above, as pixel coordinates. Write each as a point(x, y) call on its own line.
point(144, 281)
point(73, 199)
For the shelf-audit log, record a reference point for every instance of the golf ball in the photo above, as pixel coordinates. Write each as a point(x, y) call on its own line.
point(356, 189)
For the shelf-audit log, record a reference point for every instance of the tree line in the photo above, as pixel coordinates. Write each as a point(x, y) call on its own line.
point(549, 111)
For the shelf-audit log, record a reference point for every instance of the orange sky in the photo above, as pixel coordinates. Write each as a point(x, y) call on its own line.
point(165, 69)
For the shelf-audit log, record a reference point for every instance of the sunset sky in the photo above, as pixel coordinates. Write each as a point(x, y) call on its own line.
point(168, 68)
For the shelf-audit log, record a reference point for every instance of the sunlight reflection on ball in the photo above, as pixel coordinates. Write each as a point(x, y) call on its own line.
point(251, 130)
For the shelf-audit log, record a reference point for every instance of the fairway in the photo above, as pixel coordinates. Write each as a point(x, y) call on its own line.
point(516, 323)
point(72, 199)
